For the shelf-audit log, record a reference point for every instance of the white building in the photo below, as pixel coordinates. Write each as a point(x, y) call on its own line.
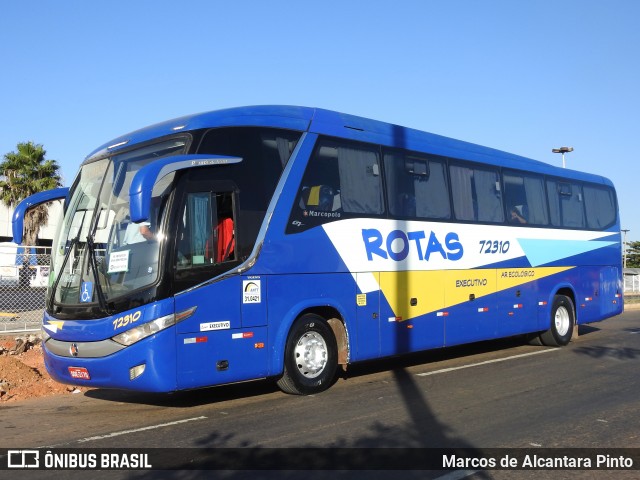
point(46, 232)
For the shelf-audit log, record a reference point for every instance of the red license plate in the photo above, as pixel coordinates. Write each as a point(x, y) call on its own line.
point(80, 373)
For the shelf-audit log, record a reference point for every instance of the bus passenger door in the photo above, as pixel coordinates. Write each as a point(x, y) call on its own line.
point(204, 337)
point(368, 316)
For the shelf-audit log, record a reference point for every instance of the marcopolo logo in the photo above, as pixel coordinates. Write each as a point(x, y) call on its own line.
point(397, 245)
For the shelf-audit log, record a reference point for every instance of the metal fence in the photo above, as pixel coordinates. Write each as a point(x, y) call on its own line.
point(24, 275)
point(631, 283)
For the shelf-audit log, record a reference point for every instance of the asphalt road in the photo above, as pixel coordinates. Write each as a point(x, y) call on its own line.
point(501, 394)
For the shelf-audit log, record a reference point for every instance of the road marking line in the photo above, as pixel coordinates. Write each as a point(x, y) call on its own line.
point(143, 429)
point(445, 370)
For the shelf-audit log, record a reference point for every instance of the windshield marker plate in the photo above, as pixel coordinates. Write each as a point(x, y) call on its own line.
point(119, 262)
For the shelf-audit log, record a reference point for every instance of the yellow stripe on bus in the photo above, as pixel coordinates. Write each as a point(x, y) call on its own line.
point(432, 291)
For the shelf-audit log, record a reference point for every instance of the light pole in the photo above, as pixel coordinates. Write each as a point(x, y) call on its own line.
point(562, 150)
point(624, 246)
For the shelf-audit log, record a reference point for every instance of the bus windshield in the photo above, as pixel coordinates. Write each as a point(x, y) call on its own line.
point(99, 254)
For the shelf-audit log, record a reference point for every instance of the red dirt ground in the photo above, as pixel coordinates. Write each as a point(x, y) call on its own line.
point(23, 375)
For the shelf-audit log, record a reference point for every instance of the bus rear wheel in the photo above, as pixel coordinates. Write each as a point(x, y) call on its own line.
point(311, 357)
point(562, 322)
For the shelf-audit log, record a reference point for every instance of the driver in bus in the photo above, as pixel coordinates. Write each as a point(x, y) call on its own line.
point(137, 232)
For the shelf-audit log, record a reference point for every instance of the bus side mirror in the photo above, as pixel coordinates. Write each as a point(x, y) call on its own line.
point(143, 182)
point(17, 222)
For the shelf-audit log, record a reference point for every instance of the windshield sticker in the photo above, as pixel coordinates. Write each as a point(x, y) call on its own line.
point(251, 291)
point(119, 262)
point(86, 292)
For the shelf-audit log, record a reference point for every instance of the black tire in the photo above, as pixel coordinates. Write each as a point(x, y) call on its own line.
point(310, 357)
point(563, 319)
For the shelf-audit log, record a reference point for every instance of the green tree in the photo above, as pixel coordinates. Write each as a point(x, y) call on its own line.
point(23, 173)
point(633, 254)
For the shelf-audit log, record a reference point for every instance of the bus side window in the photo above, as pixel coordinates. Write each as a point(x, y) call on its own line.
point(417, 186)
point(321, 198)
point(342, 178)
point(476, 194)
point(206, 234)
point(525, 198)
point(600, 204)
point(566, 204)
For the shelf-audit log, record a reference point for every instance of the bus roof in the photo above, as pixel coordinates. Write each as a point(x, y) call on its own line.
point(327, 122)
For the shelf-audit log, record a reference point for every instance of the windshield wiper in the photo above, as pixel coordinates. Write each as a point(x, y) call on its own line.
point(54, 287)
point(94, 268)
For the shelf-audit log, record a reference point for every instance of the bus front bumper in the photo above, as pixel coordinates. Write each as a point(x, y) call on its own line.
point(148, 365)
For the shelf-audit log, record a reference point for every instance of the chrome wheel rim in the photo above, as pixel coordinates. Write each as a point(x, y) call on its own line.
point(562, 321)
point(311, 354)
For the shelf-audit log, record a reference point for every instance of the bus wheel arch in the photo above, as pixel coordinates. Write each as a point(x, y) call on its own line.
point(562, 321)
point(336, 321)
point(310, 356)
point(342, 341)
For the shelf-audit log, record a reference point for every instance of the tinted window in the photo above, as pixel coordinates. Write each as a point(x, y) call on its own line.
point(416, 186)
point(566, 204)
point(341, 179)
point(476, 194)
point(601, 206)
point(525, 199)
point(264, 153)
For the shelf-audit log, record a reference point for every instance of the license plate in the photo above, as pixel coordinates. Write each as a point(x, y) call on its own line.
point(79, 373)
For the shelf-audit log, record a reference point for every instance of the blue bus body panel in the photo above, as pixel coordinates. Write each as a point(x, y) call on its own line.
point(225, 340)
point(221, 356)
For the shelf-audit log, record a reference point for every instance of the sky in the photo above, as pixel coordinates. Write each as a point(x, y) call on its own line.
point(519, 76)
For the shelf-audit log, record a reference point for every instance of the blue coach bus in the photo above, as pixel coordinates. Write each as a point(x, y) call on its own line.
point(284, 242)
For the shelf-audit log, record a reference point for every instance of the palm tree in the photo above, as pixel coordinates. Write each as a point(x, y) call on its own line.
point(24, 173)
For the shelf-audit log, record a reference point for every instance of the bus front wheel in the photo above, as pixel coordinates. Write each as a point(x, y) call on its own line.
point(562, 322)
point(311, 357)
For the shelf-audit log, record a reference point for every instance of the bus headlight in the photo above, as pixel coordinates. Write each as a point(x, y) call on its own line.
point(143, 331)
